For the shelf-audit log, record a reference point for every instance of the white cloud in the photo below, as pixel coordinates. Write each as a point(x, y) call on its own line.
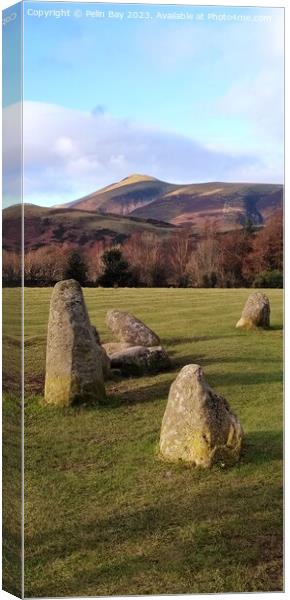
point(11, 155)
point(65, 147)
point(70, 153)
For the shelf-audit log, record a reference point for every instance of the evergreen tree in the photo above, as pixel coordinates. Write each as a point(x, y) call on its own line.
point(249, 227)
point(76, 268)
point(117, 271)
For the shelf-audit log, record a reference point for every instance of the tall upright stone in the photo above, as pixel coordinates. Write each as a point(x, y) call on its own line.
point(198, 426)
point(74, 372)
point(256, 312)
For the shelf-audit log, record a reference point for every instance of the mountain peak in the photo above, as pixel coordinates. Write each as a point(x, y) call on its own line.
point(135, 177)
point(131, 179)
point(146, 197)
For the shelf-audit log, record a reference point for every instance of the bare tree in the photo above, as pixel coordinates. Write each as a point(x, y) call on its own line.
point(11, 268)
point(144, 253)
point(179, 252)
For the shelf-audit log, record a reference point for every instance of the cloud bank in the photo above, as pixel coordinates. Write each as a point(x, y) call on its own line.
point(70, 153)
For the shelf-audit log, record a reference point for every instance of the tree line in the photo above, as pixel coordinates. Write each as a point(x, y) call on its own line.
point(243, 258)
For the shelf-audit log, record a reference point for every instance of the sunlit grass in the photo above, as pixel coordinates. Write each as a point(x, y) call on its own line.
point(103, 515)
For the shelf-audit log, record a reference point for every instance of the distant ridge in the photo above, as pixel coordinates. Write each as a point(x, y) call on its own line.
point(140, 203)
point(230, 205)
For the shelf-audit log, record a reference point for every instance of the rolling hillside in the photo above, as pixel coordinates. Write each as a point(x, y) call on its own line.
point(53, 226)
point(229, 204)
point(141, 203)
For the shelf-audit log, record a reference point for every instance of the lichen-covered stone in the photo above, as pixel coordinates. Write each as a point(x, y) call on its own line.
point(73, 359)
point(138, 360)
point(198, 426)
point(256, 312)
point(130, 330)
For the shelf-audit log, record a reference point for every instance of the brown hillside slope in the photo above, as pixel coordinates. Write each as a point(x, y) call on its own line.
point(229, 204)
point(78, 228)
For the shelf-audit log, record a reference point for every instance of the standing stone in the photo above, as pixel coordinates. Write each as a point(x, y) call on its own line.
point(256, 312)
point(73, 359)
point(198, 426)
point(130, 330)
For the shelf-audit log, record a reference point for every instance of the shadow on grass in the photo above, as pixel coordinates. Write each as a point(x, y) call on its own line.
point(277, 327)
point(180, 361)
point(177, 362)
point(138, 395)
point(240, 378)
point(155, 518)
point(261, 447)
point(175, 341)
point(231, 523)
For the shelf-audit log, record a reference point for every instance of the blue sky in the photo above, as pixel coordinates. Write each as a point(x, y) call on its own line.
point(186, 100)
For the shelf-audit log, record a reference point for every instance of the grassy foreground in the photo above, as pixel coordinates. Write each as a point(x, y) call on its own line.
point(102, 514)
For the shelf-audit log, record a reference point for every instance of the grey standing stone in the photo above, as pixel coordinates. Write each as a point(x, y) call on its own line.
point(73, 359)
point(256, 312)
point(130, 330)
point(198, 426)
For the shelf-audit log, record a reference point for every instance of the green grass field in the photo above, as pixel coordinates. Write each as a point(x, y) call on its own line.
point(102, 514)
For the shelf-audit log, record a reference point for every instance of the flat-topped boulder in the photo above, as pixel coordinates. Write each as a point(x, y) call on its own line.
point(256, 312)
point(138, 360)
point(130, 330)
point(198, 426)
point(74, 373)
